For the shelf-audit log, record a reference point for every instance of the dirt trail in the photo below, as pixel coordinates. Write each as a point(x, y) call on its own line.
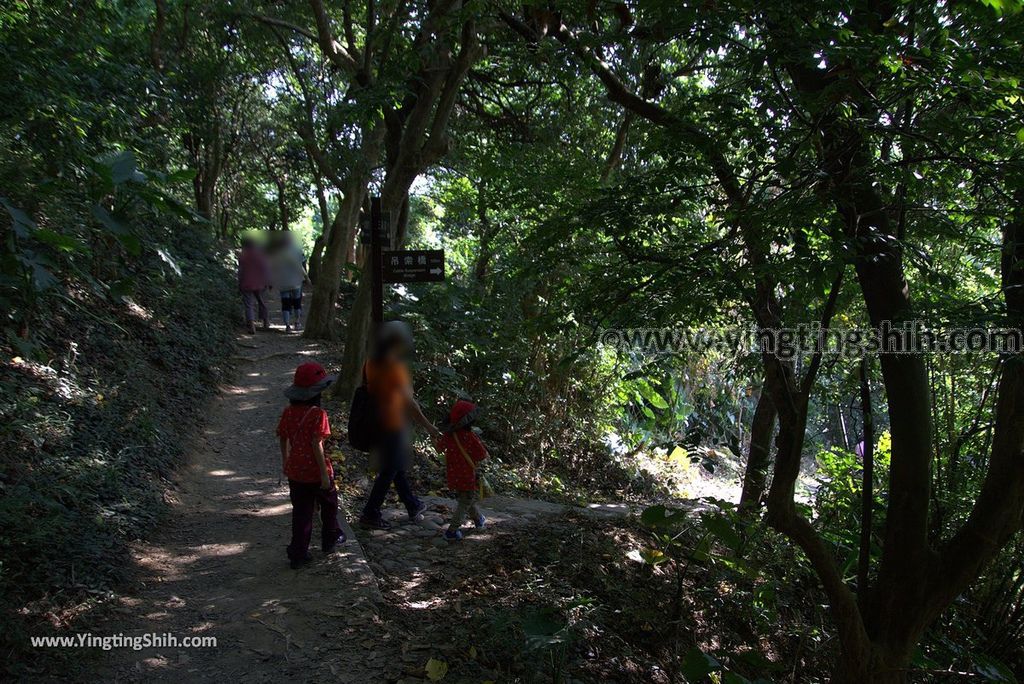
point(217, 566)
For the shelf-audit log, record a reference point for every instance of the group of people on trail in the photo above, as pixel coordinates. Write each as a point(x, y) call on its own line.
point(304, 426)
point(282, 265)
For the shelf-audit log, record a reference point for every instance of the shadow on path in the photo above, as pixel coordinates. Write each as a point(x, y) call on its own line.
point(216, 566)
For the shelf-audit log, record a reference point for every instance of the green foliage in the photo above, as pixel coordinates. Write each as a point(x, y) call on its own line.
point(128, 138)
point(88, 444)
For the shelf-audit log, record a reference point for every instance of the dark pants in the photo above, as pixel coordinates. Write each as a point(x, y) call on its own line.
point(304, 496)
point(394, 459)
point(254, 304)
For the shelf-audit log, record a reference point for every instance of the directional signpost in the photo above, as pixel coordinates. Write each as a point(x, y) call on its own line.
point(383, 230)
point(413, 266)
point(395, 266)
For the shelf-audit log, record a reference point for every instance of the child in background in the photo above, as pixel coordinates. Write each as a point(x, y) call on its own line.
point(302, 430)
point(462, 451)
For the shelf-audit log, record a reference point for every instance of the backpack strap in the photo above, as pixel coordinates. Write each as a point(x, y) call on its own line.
point(462, 450)
point(302, 421)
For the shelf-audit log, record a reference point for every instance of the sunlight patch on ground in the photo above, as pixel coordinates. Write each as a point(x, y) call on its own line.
point(424, 605)
point(250, 406)
point(688, 479)
point(272, 511)
point(176, 566)
point(221, 550)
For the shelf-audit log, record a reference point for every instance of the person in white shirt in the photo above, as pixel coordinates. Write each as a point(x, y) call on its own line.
point(288, 265)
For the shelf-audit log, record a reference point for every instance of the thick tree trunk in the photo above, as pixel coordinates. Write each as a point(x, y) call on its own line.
point(876, 666)
point(321, 323)
point(357, 336)
point(759, 457)
point(351, 253)
point(359, 327)
point(317, 253)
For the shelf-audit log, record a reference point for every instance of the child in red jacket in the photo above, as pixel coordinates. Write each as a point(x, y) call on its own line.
point(462, 451)
point(302, 430)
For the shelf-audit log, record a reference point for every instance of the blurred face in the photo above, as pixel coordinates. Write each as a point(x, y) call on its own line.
point(397, 350)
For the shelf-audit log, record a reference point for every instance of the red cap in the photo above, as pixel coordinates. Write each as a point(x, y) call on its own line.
point(309, 374)
point(460, 410)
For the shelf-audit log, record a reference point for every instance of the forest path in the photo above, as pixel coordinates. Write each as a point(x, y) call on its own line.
point(217, 565)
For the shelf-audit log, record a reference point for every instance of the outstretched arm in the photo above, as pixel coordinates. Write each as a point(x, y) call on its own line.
point(417, 415)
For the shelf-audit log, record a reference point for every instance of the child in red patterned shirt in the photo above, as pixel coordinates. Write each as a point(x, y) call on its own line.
point(462, 451)
point(302, 430)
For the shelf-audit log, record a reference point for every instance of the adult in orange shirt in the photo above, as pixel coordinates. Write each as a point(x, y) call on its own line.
point(390, 384)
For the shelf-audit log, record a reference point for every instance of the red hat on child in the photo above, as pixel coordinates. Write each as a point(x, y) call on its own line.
point(462, 413)
point(310, 380)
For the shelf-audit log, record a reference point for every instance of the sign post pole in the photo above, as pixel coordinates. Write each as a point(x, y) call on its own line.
point(377, 280)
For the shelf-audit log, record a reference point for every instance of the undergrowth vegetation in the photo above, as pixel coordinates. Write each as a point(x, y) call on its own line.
point(572, 599)
point(95, 414)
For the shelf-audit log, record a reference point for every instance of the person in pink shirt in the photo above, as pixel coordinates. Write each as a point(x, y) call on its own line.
point(253, 279)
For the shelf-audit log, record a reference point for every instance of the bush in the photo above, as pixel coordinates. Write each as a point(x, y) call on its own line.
point(95, 412)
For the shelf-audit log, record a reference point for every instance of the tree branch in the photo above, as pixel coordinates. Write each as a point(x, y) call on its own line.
point(335, 51)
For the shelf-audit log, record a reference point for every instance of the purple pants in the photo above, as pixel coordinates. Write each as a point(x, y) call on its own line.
point(304, 495)
point(253, 301)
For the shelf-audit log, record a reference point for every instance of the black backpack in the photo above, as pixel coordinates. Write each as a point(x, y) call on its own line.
point(363, 422)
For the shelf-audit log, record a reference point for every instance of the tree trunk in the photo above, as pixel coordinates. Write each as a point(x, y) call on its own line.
point(317, 253)
point(867, 481)
point(351, 253)
point(486, 251)
point(759, 457)
point(320, 324)
point(358, 330)
point(325, 228)
point(876, 666)
point(357, 336)
point(282, 204)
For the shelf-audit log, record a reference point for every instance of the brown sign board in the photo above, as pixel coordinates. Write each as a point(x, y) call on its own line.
point(413, 265)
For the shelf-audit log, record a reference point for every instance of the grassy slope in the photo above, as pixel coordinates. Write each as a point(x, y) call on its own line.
point(92, 422)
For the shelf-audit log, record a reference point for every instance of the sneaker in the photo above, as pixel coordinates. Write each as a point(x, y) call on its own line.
point(287, 329)
point(375, 524)
point(297, 563)
point(480, 522)
point(421, 508)
point(453, 535)
point(329, 548)
point(252, 328)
